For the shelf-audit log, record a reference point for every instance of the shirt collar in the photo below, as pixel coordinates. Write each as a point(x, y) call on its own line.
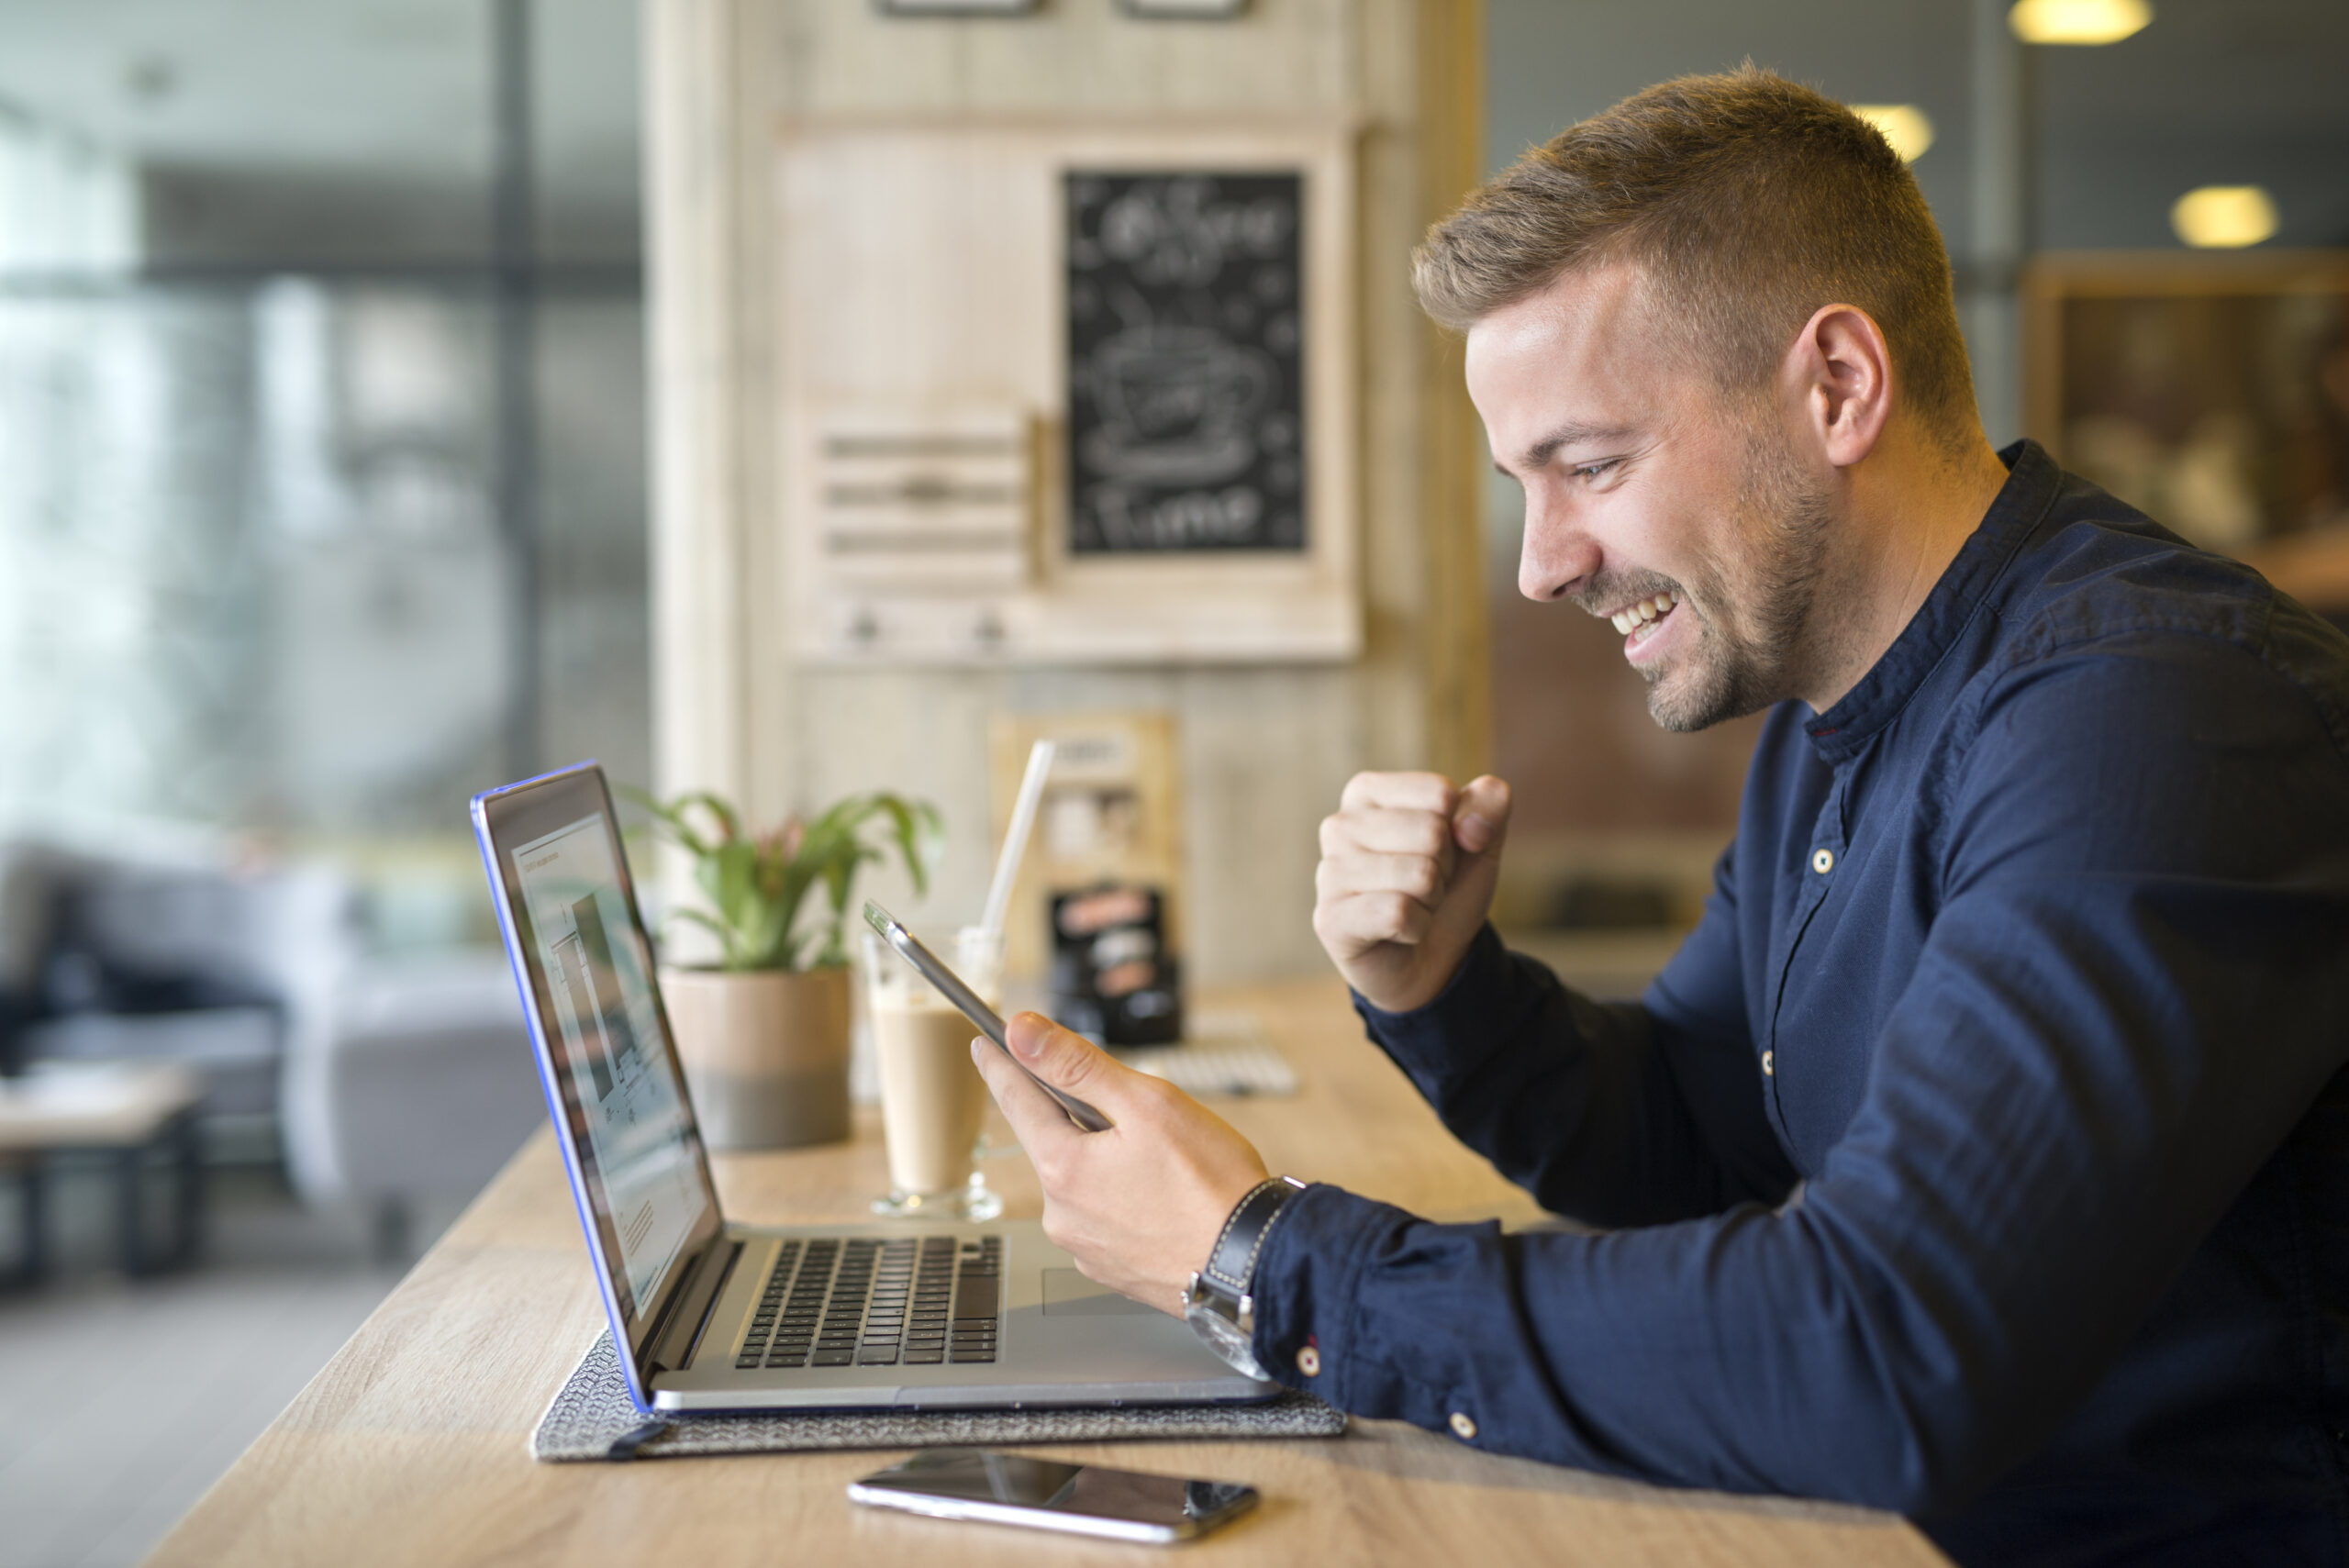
point(2032, 479)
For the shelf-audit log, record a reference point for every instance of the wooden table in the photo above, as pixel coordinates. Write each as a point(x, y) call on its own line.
point(411, 1446)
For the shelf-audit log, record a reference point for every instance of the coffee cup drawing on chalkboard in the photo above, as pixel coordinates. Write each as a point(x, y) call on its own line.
point(1176, 406)
point(1187, 410)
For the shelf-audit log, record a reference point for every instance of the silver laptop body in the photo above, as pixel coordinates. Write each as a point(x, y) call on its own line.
point(709, 1315)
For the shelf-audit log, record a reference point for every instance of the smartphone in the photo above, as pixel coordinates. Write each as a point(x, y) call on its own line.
point(1083, 1499)
point(968, 1002)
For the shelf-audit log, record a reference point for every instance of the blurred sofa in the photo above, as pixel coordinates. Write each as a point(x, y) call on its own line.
point(419, 1085)
point(388, 1082)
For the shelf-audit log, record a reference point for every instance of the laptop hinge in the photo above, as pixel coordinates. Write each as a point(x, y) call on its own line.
point(690, 1306)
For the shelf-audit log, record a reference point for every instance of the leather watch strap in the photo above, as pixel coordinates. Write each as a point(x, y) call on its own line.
point(1231, 1265)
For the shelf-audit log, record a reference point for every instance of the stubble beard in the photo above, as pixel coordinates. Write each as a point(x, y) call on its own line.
point(1771, 581)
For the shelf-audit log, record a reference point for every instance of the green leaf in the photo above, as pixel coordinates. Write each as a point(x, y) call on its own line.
point(718, 808)
point(918, 835)
point(728, 957)
point(668, 817)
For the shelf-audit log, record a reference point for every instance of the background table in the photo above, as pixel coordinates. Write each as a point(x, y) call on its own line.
point(411, 1446)
point(128, 1113)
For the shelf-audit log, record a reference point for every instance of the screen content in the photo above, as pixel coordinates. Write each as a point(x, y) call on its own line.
point(641, 1173)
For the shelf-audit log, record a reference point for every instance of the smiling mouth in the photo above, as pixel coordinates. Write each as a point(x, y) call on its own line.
point(1638, 620)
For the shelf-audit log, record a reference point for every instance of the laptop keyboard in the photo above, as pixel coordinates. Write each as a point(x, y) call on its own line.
point(835, 1301)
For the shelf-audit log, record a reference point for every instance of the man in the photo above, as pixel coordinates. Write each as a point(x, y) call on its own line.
point(1983, 1154)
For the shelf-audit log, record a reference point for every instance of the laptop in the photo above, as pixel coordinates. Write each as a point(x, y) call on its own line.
point(713, 1315)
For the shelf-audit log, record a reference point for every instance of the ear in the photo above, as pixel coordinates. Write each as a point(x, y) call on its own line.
point(1838, 373)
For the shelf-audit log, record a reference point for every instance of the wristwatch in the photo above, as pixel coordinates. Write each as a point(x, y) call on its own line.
point(1218, 1304)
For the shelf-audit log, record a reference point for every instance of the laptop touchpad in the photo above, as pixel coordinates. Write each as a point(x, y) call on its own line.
point(1068, 1294)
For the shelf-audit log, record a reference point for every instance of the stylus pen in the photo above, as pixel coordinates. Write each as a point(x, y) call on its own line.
point(972, 1006)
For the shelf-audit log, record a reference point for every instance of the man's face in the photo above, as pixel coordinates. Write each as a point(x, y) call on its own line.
point(1650, 498)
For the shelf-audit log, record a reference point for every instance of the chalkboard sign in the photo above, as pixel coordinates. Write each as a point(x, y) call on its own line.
point(1185, 348)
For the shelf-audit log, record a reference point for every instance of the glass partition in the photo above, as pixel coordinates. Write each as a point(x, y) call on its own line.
point(322, 464)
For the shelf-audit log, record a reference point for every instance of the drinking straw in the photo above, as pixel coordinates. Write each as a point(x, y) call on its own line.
point(1015, 837)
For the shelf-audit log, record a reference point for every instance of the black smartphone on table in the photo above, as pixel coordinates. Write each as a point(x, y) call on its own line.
point(1082, 1499)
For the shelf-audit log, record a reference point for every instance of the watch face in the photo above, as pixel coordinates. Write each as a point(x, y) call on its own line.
point(1222, 1336)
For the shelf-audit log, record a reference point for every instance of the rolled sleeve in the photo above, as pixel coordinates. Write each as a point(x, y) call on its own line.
point(1308, 1283)
point(1441, 1045)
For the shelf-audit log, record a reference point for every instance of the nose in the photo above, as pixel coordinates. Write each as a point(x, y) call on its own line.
point(1558, 555)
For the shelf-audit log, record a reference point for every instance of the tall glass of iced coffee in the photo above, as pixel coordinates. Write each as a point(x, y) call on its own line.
point(932, 1098)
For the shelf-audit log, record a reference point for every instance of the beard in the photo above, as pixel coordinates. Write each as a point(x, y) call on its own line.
point(1753, 604)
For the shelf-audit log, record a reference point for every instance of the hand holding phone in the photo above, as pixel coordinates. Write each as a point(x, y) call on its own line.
point(973, 1008)
point(1084, 1499)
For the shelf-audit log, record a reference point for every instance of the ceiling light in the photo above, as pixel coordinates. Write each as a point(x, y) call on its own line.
point(2224, 217)
point(1903, 125)
point(2077, 21)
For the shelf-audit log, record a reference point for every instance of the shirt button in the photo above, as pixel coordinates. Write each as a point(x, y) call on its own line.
point(1308, 1362)
point(1767, 1057)
point(1823, 861)
point(1462, 1427)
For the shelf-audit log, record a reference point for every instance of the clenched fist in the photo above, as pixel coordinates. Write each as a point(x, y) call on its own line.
point(1408, 866)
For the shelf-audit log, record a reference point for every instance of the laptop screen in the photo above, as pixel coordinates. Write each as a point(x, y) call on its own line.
point(641, 1172)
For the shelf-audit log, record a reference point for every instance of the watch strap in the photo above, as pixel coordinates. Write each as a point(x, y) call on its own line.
point(1232, 1264)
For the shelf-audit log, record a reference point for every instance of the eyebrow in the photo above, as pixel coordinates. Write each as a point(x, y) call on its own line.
point(1542, 451)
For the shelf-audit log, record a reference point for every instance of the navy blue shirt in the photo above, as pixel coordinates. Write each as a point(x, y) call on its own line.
point(1984, 1153)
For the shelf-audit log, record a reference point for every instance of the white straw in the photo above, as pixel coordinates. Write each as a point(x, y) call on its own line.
point(1015, 837)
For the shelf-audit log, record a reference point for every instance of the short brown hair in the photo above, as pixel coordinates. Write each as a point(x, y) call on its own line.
point(1747, 202)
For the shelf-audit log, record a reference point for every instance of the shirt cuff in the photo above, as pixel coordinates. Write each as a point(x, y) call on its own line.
point(1304, 1292)
point(1427, 1041)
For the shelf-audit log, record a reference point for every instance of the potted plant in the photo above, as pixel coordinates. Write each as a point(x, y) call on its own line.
point(763, 1034)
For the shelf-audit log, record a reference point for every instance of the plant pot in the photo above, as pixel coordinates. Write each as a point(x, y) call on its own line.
point(765, 1053)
